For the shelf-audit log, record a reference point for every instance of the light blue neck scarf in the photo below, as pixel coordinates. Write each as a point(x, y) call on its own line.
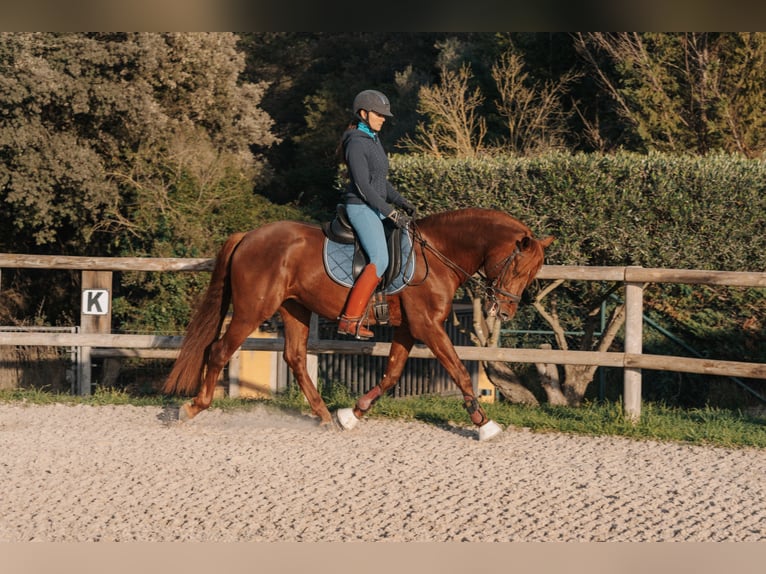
point(367, 129)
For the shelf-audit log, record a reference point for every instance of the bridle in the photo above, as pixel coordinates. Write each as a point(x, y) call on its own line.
point(494, 295)
point(488, 289)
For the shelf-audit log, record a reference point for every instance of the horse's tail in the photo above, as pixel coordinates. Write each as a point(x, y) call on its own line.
point(205, 326)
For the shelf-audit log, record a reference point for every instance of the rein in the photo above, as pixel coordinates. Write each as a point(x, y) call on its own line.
point(487, 288)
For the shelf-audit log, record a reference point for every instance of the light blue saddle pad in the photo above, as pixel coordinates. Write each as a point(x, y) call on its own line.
point(338, 263)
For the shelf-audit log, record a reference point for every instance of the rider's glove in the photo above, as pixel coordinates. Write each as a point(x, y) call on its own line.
point(408, 208)
point(400, 218)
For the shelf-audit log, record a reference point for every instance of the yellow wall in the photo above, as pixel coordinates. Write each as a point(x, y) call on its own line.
point(257, 370)
point(486, 389)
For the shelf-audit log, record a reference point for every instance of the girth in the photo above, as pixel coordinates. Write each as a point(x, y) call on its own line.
point(340, 230)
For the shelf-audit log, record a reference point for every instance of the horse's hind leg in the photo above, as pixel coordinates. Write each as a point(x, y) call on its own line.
point(397, 357)
point(220, 352)
point(296, 319)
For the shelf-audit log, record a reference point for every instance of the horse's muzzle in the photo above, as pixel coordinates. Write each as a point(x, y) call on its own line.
point(502, 312)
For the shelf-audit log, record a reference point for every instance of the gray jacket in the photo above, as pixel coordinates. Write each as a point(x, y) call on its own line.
point(368, 170)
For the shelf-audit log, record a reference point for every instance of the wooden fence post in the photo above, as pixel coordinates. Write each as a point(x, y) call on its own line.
point(634, 311)
point(95, 317)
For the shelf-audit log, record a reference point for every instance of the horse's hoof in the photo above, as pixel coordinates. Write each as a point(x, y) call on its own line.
point(489, 431)
point(328, 425)
point(183, 413)
point(346, 418)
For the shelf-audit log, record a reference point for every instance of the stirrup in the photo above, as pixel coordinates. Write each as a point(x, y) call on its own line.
point(354, 327)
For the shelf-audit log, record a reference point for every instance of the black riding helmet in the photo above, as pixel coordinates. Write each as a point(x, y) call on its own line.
point(373, 100)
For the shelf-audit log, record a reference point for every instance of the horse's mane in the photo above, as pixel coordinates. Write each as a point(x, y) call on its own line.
point(481, 228)
point(473, 220)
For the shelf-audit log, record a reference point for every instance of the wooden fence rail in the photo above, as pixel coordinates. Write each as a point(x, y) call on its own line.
point(632, 360)
point(165, 347)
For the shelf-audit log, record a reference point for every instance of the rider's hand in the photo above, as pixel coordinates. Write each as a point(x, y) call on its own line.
point(408, 208)
point(400, 219)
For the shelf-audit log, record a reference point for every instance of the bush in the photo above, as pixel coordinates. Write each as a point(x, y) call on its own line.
point(655, 210)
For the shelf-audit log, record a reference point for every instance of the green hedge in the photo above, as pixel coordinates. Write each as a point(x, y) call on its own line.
point(654, 210)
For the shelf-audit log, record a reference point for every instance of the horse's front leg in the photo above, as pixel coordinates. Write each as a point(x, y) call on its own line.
point(438, 341)
point(397, 357)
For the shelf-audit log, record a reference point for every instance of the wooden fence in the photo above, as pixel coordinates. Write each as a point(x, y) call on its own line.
point(95, 331)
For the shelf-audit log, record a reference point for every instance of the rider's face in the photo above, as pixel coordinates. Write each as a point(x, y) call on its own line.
point(374, 119)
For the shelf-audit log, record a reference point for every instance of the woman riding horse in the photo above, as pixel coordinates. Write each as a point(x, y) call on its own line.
point(277, 268)
point(370, 198)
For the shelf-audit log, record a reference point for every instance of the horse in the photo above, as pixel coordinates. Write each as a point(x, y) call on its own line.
point(278, 268)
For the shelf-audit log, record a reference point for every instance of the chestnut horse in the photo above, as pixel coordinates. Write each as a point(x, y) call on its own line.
point(278, 267)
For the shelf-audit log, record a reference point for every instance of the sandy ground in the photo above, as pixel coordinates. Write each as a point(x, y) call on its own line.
point(123, 473)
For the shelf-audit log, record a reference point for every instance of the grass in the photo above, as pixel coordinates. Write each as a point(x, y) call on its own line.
point(708, 426)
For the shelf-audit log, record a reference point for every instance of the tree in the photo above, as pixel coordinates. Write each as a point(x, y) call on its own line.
point(78, 111)
point(127, 143)
point(533, 113)
point(454, 127)
point(680, 92)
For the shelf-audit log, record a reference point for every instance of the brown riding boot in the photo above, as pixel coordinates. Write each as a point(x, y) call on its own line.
point(350, 322)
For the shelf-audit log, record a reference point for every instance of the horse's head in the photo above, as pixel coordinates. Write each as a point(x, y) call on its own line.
point(511, 274)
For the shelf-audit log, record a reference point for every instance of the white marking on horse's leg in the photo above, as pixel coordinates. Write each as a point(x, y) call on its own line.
point(489, 430)
point(346, 418)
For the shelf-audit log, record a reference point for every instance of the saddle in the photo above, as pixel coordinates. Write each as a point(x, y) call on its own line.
point(341, 231)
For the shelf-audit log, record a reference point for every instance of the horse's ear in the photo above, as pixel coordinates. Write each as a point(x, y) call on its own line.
point(546, 241)
point(523, 243)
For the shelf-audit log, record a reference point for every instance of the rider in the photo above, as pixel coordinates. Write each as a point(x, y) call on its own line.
point(370, 198)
